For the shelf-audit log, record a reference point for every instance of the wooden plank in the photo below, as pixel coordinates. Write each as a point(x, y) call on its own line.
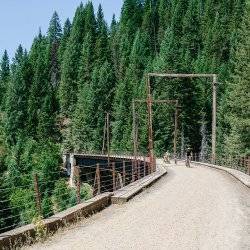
point(123, 195)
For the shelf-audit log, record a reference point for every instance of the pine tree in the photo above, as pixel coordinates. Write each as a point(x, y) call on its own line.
point(150, 24)
point(4, 78)
point(102, 48)
point(114, 45)
point(68, 86)
point(102, 82)
point(54, 38)
point(236, 112)
point(128, 89)
point(82, 131)
point(165, 16)
point(64, 39)
point(54, 30)
point(17, 98)
point(40, 84)
point(90, 20)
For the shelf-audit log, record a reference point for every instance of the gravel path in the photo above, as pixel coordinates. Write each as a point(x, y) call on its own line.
point(190, 208)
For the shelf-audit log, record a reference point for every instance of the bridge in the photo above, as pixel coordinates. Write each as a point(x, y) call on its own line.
point(189, 208)
point(202, 207)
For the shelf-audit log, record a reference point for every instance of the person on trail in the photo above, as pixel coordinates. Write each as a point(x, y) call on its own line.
point(188, 157)
point(167, 157)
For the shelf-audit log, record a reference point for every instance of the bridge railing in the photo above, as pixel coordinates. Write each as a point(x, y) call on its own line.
point(38, 196)
point(235, 162)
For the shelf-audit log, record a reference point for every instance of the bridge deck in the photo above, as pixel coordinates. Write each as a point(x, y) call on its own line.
point(190, 208)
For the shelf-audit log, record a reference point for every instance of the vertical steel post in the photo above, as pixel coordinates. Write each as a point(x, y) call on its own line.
point(134, 167)
point(214, 110)
point(134, 130)
point(78, 185)
point(98, 178)
point(133, 170)
point(113, 176)
point(104, 135)
point(108, 141)
point(150, 126)
point(138, 164)
point(124, 173)
point(38, 196)
point(175, 131)
point(248, 165)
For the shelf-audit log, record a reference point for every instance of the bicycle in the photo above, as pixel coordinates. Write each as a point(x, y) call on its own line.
point(188, 161)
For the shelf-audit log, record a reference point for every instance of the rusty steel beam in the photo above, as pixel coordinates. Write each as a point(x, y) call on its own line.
point(175, 131)
point(150, 126)
point(214, 110)
point(173, 75)
point(176, 120)
point(214, 99)
point(156, 101)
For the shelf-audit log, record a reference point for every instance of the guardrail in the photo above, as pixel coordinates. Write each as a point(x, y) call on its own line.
point(40, 198)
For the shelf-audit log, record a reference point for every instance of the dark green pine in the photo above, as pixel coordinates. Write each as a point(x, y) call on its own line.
point(4, 77)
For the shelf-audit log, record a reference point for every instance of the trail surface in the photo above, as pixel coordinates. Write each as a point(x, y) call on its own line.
point(190, 208)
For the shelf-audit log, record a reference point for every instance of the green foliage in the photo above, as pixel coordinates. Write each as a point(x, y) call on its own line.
point(22, 200)
point(61, 195)
point(4, 78)
point(237, 100)
point(17, 98)
point(68, 87)
point(55, 30)
point(64, 196)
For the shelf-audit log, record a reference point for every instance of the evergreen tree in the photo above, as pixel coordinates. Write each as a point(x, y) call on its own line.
point(54, 30)
point(39, 90)
point(17, 98)
point(114, 46)
point(54, 37)
point(237, 96)
point(68, 86)
point(128, 89)
point(102, 82)
point(165, 15)
point(4, 78)
point(150, 23)
point(64, 39)
point(102, 48)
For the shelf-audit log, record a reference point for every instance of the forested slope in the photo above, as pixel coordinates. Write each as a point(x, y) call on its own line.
point(55, 96)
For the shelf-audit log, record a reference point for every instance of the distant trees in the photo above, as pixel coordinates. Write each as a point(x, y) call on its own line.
point(237, 97)
point(4, 77)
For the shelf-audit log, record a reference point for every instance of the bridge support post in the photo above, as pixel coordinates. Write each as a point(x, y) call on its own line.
point(78, 184)
point(175, 131)
point(72, 170)
point(214, 110)
point(248, 165)
point(38, 196)
point(124, 173)
point(113, 176)
point(150, 126)
point(98, 178)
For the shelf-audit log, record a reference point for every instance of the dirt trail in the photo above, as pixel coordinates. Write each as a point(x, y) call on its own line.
point(190, 208)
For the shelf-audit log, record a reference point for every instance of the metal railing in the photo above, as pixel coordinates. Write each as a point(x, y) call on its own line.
point(235, 162)
point(37, 197)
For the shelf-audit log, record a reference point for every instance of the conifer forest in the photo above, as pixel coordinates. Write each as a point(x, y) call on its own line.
point(54, 97)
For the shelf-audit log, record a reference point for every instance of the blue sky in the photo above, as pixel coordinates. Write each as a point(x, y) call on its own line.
point(21, 19)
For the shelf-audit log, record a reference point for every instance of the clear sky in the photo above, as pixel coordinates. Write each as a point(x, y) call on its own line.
point(21, 19)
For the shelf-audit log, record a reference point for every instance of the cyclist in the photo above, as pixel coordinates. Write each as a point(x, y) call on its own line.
point(188, 157)
point(166, 157)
